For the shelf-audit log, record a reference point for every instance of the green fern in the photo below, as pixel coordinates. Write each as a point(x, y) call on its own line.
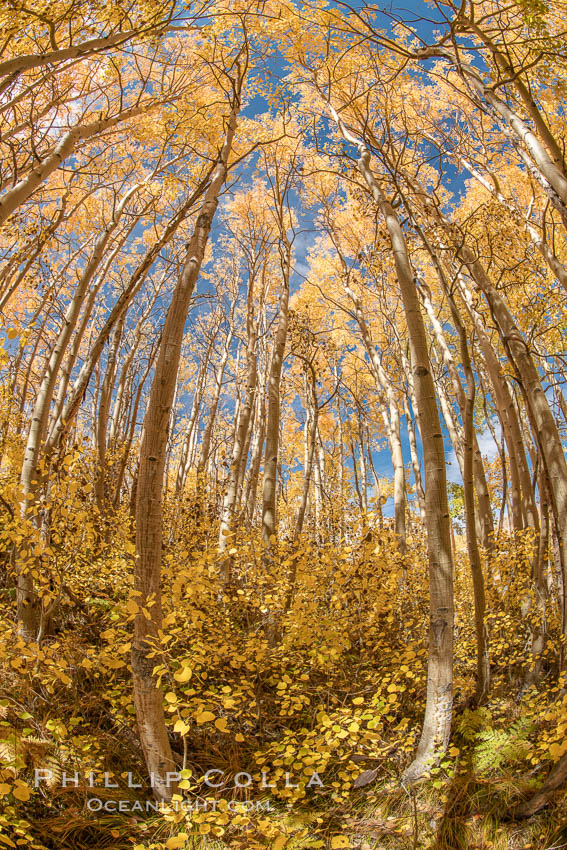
point(20, 753)
point(471, 722)
point(498, 747)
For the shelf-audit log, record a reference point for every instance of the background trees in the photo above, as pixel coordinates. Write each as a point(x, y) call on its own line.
point(268, 274)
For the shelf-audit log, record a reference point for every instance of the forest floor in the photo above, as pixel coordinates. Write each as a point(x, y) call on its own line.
point(334, 689)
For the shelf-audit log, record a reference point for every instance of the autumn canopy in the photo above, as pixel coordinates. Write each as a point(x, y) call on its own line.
point(283, 411)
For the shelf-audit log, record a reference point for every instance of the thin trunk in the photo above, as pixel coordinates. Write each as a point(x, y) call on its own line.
point(131, 431)
point(483, 515)
point(341, 467)
point(273, 414)
point(228, 516)
point(482, 652)
point(313, 407)
point(100, 487)
point(148, 699)
point(311, 430)
point(391, 421)
point(438, 711)
point(363, 467)
point(419, 492)
point(219, 374)
point(192, 425)
point(256, 454)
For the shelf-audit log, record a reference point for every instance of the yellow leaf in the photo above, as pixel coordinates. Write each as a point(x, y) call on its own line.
point(181, 727)
point(339, 841)
point(176, 841)
point(239, 737)
point(280, 842)
point(132, 607)
point(205, 717)
point(21, 792)
point(170, 697)
point(183, 675)
point(358, 700)
point(221, 724)
point(8, 841)
point(557, 750)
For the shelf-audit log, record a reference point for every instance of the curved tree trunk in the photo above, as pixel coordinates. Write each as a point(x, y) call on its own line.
point(148, 699)
point(438, 710)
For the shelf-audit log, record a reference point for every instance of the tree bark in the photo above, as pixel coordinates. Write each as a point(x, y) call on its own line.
point(147, 696)
point(273, 414)
point(438, 711)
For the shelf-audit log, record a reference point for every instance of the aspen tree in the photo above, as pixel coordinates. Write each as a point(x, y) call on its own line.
point(437, 722)
point(147, 696)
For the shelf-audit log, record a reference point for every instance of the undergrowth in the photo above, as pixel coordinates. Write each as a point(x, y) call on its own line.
point(306, 717)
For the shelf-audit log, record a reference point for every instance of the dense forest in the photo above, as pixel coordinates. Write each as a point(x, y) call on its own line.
point(283, 411)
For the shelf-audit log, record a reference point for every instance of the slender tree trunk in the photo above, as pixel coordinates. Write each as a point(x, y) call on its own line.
point(313, 405)
point(193, 424)
point(100, 487)
point(482, 652)
point(483, 516)
point(228, 516)
point(131, 429)
point(341, 467)
point(420, 495)
point(256, 456)
point(219, 374)
point(273, 413)
point(391, 421)
point(311, 426)
point(363, 466)
point(538, 619)
point(438, 711)
point(148, 699)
